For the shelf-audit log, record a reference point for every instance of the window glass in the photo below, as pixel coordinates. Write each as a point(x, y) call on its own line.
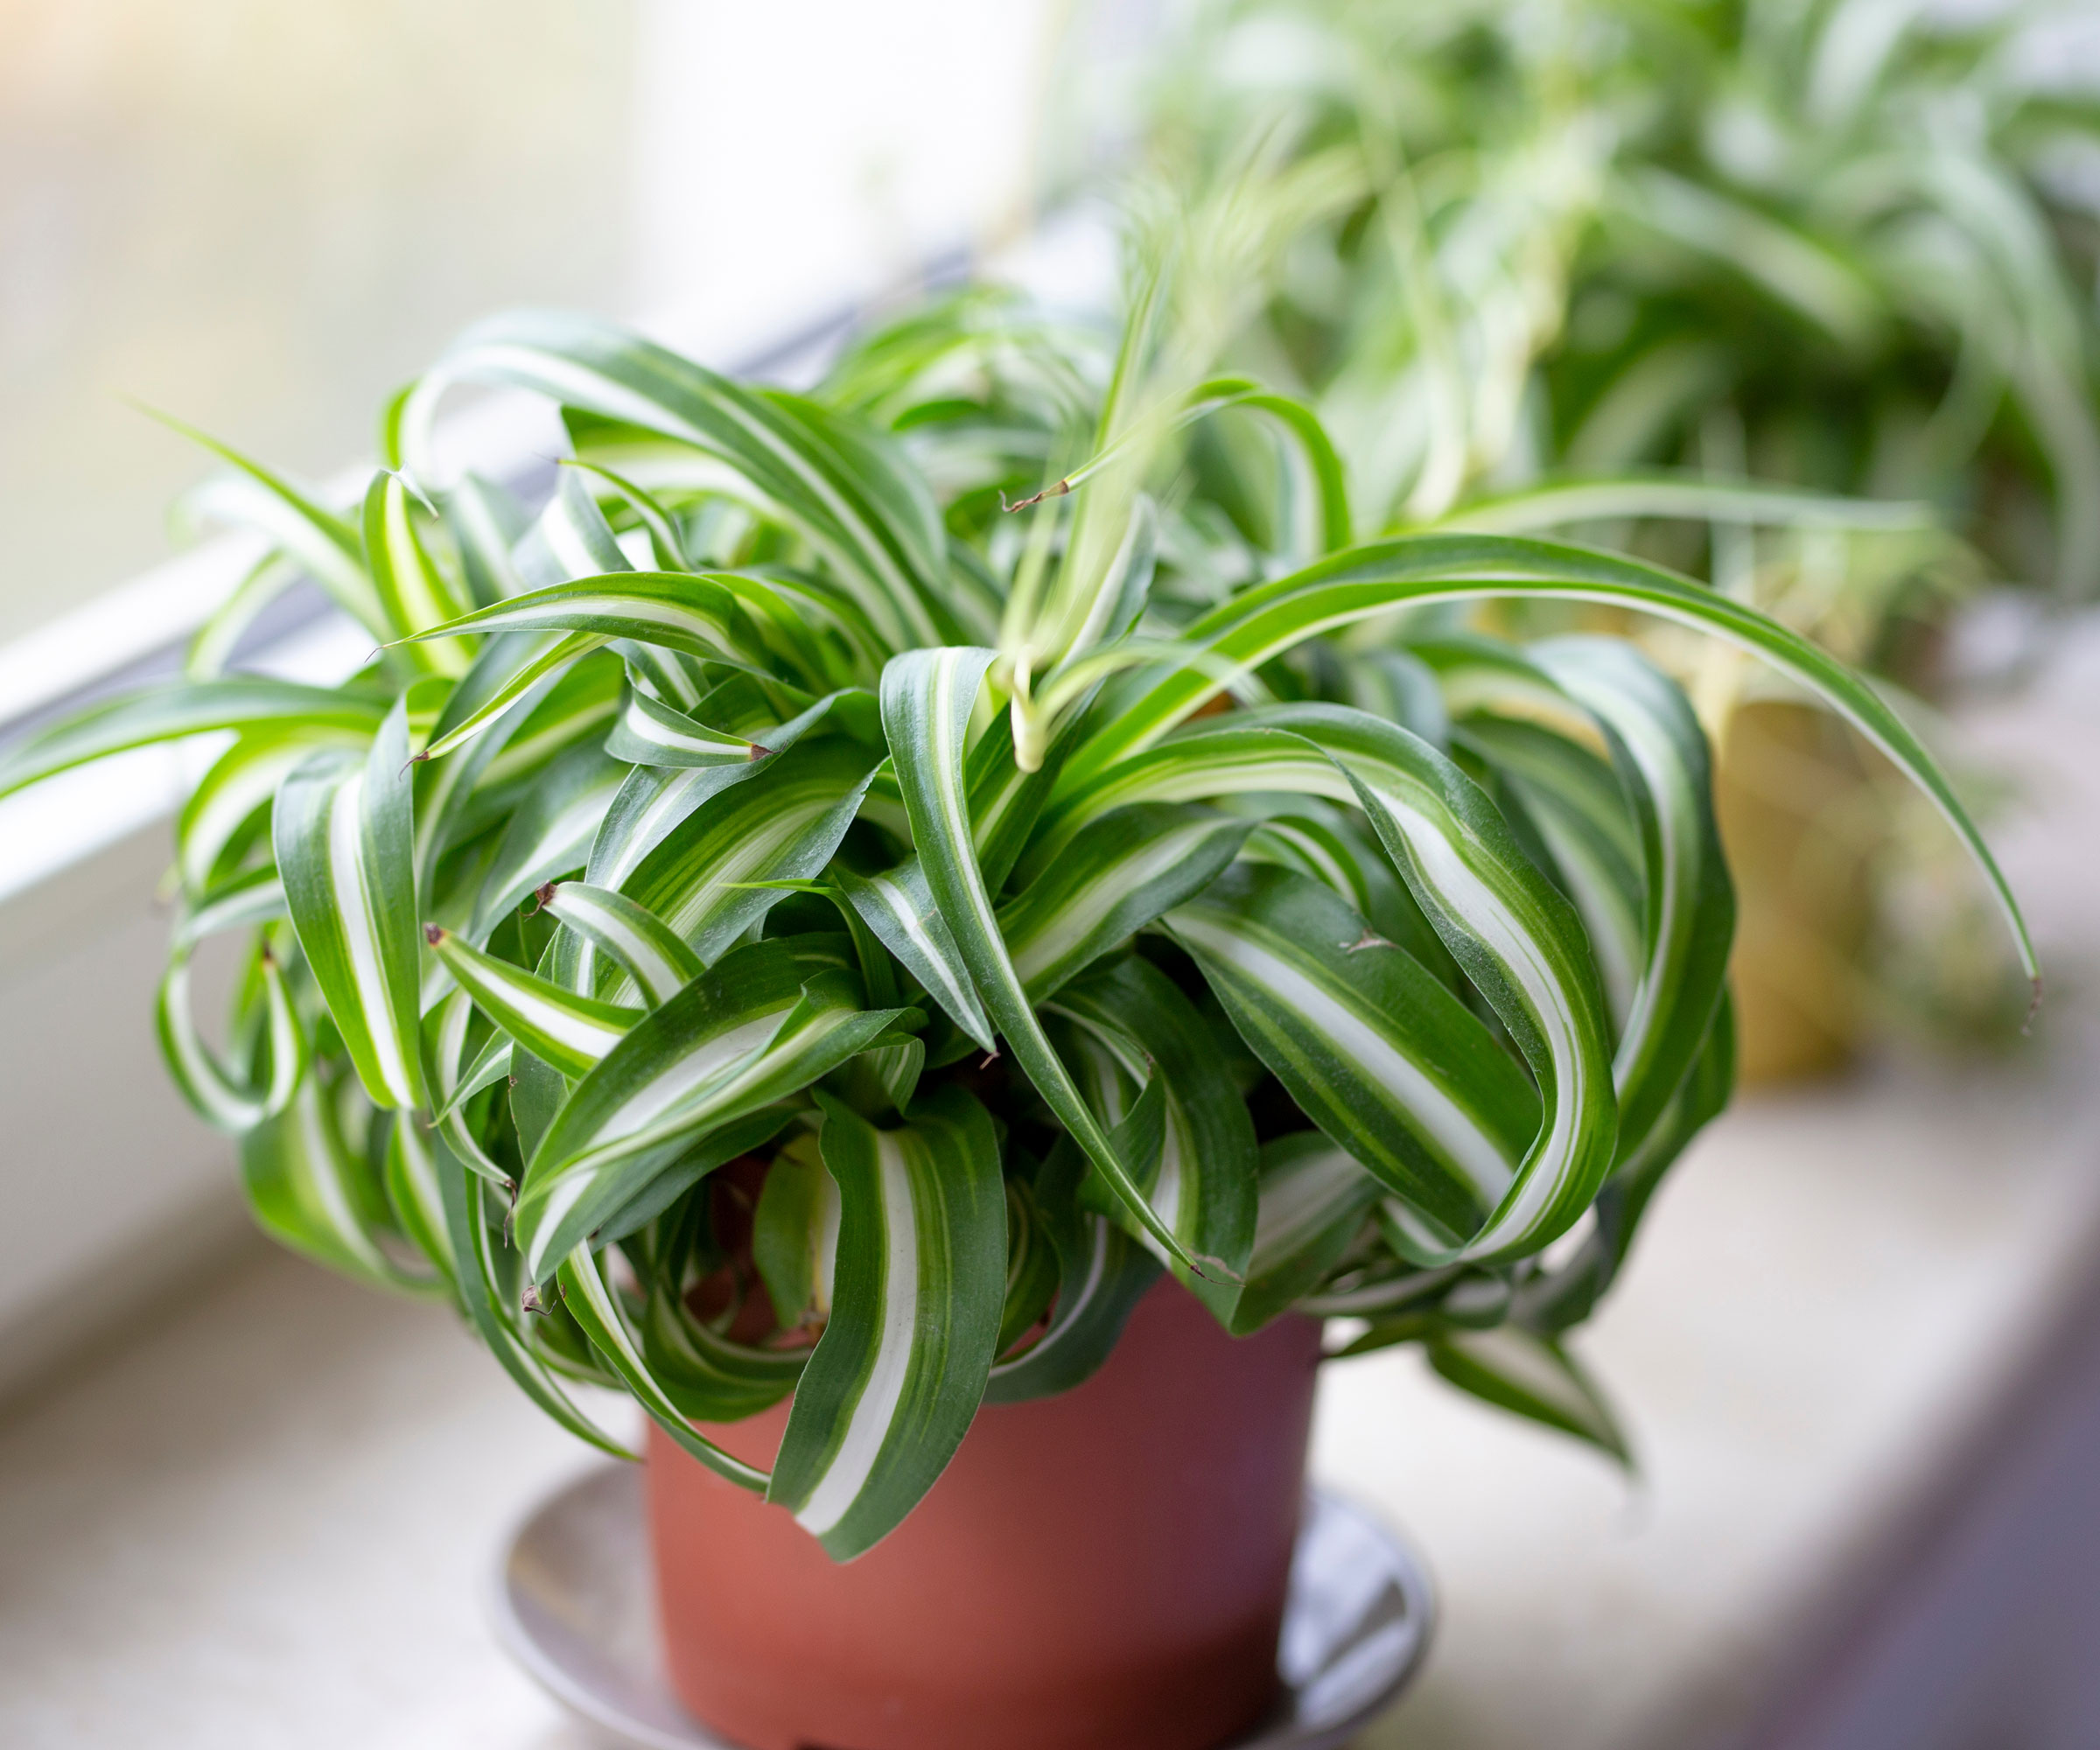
point(261, 214)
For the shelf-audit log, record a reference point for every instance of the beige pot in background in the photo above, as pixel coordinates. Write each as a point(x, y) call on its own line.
point(1797, 814)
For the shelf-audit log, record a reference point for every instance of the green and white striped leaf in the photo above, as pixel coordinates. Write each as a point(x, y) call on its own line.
point(183, 709)
point(1667, 975)
point(413, 1193)
point(1031, 1271)
point(706, 1375)
point(1103, 1272)
point(667, 548)
point(1519, 942)
point(1689, 923)
point(783, 825)
point(746, 1135)
point(898, 908)
point(848, 494)
point(309, 1190)
point(1417, 570)
point(581, 702)
point(292, 519)
point(217, 640)
point(1314, 1202)
point(1523, 946)
point(1590, 837)
point(1534, 1377)
point(1302, 425)
point(650, 732)
point(637, 940)
point(918, 1291)
point(487, 522)
point(794, 1234)
point(445, 789)
point(345, 848)
point(571, 1032)
point(413, 593)
point(1203, 1184)
point(240, 783)
point(488, 1284)
point(654, 803)
point(763, 1023)
point(244, 901)
point(1401, 688)
point(569, 540)
point(594, 1303)
point(1552, 1300)
point(671, 610)
point(927, 696)
point(550, 832)
point(1563, 504)
point(451, 1081)
point(1119, 874)
point(1372, 1048)
point(226, 1100)
point(532, 658)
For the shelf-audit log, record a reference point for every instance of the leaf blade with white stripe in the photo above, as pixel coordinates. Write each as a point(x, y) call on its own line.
point(918, 1291)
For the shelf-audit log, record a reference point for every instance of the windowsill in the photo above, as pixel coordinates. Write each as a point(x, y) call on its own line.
point(269, 1521)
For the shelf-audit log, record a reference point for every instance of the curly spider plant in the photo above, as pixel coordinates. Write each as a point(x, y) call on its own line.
point(1828, 244)
point(1041, 912)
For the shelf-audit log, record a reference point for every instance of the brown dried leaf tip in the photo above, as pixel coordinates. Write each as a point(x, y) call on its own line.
point(1057, 491)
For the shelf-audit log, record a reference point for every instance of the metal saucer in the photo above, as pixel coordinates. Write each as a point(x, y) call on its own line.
point(571, 1601)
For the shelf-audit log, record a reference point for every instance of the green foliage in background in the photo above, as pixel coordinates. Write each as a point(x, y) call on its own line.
point(1840, 245)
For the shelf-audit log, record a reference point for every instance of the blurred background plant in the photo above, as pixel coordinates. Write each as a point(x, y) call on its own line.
point(1791, 295)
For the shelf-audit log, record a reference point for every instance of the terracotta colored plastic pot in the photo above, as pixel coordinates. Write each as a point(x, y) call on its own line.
point(1104, 1569)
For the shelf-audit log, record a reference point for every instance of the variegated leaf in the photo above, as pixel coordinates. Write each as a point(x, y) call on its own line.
point(571, 1032)
point(1371, 1046)
point(649, 951)
point(927, 696)
point(595, 1306)
point(183, 709)
point(309, 1189)
point(488, 1292)
point(345, 841)
point(1103, 1272)
point(920, 1280)
point(1203, 1186)
point(1314, 1198)
point(763, 1023)
point(413, 593)
point(1122, 872)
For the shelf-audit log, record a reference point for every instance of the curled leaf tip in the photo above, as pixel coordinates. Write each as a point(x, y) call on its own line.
point(531, 1300)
